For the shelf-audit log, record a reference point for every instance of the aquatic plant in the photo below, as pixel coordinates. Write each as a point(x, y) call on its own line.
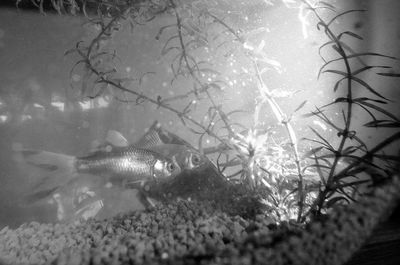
point(341, 184)
point(195, 42)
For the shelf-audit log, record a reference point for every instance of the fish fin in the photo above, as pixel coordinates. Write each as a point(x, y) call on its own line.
point(49, 161)
point(95, 145)
point(167, 137)
point(38, 196)
point(150, 138)
point(115, 138)
point(58, 170)
point(133, 184)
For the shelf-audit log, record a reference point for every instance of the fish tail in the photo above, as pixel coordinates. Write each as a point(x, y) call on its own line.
point(49, 161)
point(58, 170)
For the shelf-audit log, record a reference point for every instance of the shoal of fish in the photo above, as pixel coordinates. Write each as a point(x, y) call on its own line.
point(113, 171)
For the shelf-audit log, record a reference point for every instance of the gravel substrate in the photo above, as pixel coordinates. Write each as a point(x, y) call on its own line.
point(190, 232)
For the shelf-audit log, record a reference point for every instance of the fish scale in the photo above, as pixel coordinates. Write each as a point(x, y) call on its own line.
point(133, 163)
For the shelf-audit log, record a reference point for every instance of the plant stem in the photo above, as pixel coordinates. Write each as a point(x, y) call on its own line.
point(266, 95)
point(346, 130)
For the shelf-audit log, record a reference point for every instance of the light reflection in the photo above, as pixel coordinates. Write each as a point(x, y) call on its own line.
point(59, 105)
point(25, 117)
point(99, 102)
point(3, 118)
point(37, 105)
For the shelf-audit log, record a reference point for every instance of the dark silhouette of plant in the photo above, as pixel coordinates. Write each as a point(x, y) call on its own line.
point(341, 184)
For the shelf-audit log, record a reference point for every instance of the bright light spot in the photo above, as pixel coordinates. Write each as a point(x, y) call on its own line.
point(85, 105)
point(208, 141)
point(164, 84)
point(303, 14)
point(38, 106)
point(26, 117)
point(247, 46)
point(3, 118)
point(128, 69)
point(320, 124)
point(59, 105)
point(102, 103)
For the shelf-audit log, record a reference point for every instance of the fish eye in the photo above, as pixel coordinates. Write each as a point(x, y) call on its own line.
point(196, 159)
point(171, 167)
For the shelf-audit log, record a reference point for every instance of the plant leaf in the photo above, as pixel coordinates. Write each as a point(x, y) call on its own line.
point(350, 33)
point(365, 84)
point(344, 13)
point(335, 200)
point(389, 74)
point(356, 72)
point(300, 106)
point(383, 123)
point(379, 109)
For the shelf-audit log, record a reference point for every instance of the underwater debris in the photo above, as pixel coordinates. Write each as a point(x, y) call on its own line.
point(190, 232)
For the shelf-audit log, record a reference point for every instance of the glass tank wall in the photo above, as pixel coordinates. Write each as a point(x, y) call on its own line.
point(230, 83)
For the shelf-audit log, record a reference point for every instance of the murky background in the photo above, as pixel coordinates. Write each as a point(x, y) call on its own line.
point(40, 109)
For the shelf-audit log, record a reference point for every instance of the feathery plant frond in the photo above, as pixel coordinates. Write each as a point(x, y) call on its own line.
point(341, 182)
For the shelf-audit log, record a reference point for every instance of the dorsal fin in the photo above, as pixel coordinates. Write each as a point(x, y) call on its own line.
point(162, 136)
point(116, 139)
point(149, 139)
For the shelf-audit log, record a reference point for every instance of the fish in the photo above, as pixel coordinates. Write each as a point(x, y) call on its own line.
point(162, 142)
point(80, 199)
point(197, 173)
point(198, 176)
point(123, 165)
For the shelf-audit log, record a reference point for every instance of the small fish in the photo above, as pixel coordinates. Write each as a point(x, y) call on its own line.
point(198, 173)
point(128, 162)
point(161, 142)
point(125, 164)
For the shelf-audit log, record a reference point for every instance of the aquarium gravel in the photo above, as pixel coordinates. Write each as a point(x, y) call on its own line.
point(190, 232)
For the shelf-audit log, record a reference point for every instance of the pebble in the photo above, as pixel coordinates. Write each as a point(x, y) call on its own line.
point(188, 231)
